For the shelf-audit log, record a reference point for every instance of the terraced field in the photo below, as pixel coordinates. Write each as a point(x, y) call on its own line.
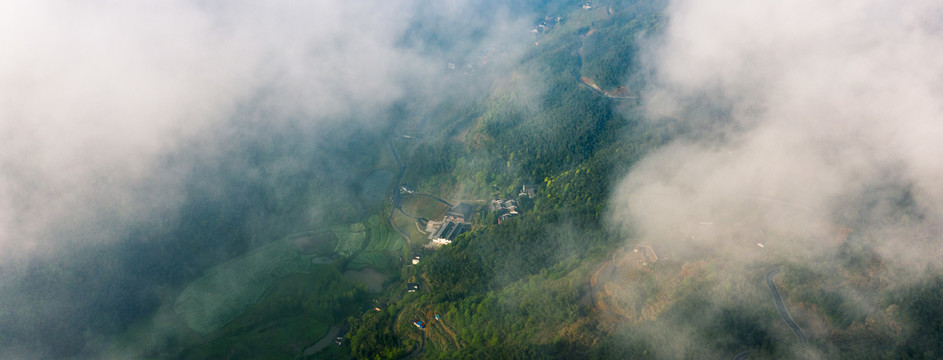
point(349, 238)
point(382, 245)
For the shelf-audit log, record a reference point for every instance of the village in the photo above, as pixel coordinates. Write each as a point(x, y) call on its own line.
point(458, 219)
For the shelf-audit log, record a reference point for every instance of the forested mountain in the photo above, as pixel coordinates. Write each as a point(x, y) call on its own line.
point(487, 180)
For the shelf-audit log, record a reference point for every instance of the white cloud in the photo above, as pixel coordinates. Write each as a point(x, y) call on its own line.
point(820, 100)
point(93, 93)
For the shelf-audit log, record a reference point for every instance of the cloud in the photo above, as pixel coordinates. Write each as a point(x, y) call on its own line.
point(797, 107)
point(94, 93)
point(808, 125)
point(117, 114)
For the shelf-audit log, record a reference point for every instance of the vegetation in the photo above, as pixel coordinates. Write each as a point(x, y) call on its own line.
point(611, 57)
point(216, 298)
point(295, 313)
point(518, 289)
point(523, 288)
point(383, 242)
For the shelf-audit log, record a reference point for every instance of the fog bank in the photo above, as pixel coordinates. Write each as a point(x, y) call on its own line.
point(132, 131)
point(799, 111)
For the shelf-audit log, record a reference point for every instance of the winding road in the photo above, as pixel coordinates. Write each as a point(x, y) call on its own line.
point(397, 198)
point(782, 307)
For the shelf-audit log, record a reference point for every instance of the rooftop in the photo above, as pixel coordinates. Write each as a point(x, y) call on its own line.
point(528, 190)
point(449, 231)
point(461, 212)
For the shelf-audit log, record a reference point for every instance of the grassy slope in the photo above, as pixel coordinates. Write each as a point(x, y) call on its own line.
point(221, 294)
point(295, 313)
point(301, 300)
point(549, 312)
point(546, 309)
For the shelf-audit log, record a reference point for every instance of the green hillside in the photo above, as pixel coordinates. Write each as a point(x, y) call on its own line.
point(557, 281)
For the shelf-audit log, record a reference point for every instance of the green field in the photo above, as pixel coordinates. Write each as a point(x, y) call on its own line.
point(277, 299)
point(225, 290)
point(296, 312)
point(383, 245)
point(349, 238)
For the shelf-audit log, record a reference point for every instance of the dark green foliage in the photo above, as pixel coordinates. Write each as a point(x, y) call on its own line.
point(609, 55)
point(434, 158)
point(717, 328)
point(745, 327)
point(796, 276)
point(920, 307)
point(515, 290)
point(295, 313)
point(525, 318)
point(493, 256)
point(887, 202)
point(525, 351)
point(373, 337)
point(808, 287)
point(621, 345)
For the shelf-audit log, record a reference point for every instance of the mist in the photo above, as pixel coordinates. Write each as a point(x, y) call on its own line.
point(145, 142)
point(809, 129)
point(797, 113)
